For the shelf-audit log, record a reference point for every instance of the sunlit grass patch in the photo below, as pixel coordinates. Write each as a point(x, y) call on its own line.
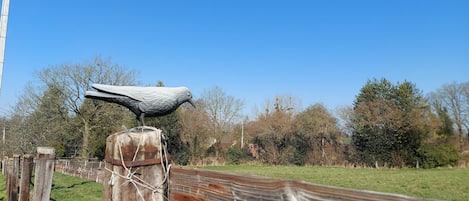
point(75, 189)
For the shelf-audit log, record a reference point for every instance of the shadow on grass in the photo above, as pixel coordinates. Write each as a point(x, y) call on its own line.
point(55, 187)
point(71, 186)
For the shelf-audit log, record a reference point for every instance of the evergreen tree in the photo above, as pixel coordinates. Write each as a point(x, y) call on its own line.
point(389, 123)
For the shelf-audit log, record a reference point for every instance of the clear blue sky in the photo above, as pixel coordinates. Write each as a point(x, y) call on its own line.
point(316, 50)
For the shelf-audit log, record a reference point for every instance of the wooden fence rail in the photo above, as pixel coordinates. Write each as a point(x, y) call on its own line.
point(198, 185)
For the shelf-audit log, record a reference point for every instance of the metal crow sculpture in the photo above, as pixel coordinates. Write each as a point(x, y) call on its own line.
point(143, 101)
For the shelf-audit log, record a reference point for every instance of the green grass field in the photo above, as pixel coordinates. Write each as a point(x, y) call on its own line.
point(442, 183)
point(66, 188)
point(74, 189)
point(3, 188)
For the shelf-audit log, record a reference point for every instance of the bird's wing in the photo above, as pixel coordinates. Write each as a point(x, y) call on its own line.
point(137, 93)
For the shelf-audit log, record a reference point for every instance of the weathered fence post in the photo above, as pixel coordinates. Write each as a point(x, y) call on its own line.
point(135, 168)
point(44, 172)
point(12, 187)
point(4, 165)
point(8, 169)
point(26, 172)
point(5, 171)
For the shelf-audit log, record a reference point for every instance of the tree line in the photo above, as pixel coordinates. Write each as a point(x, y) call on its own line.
point(388, 124)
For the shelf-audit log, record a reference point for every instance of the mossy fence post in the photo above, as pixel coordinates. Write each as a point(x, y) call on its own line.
point(43, 174)
point(135, 166)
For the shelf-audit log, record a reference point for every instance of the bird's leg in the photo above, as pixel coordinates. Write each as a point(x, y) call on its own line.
point(141, 118)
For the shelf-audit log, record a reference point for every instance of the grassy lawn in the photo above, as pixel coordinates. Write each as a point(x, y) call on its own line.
point(66, 188)
point(3, 188)
point(442, 183)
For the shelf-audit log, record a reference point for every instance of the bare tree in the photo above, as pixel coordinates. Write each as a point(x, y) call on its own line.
point(21, 135)
point(72, 80)
point(282, 103)
point(454, 98)
point(222, 110)
point(195, 130)
point(345, 114)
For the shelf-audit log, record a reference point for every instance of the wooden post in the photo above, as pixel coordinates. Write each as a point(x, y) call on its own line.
point(133, 166)
point(5, 171)
point(9, 169)
point(12, 187)
point(26, 172)
point(44, 172)
point(4, 165)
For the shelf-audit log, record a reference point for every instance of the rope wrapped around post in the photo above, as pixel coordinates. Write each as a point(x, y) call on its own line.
point(136, 165)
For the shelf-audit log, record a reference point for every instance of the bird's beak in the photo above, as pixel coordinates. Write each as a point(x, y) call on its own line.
point(192, 103)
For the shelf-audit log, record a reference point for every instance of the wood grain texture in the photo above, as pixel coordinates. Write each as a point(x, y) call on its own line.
point(128, 183)
point(206, 185)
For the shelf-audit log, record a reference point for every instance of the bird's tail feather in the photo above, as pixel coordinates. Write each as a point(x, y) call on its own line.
point(100, 95)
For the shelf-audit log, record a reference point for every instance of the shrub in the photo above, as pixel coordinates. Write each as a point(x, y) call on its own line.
point(438, 155)
point(234, 155)
point(182, 158)
point(299, 158)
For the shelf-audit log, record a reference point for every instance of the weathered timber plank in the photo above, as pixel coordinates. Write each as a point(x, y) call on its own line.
point(27, 169)
point(195, 184)
point(44, 172)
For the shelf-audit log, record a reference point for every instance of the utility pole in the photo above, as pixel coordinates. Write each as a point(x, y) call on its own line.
point(242, 131)
point(3, 35)
point(242, 135)
point(3, 146)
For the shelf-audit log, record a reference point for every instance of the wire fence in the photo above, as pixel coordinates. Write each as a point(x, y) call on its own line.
point(89, 170)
